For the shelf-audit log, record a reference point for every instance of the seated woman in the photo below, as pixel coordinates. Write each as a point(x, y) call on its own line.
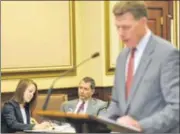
point(16, 112)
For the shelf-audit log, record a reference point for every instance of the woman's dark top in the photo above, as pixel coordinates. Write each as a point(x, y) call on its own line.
point(11, 118)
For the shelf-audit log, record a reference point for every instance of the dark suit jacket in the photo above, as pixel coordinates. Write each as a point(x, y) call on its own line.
point(12, 120)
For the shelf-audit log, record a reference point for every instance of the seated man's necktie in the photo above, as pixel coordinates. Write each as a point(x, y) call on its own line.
point(81, 107)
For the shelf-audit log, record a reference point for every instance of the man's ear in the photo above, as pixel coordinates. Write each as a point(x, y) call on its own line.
point(93, 91)
point(144, 20)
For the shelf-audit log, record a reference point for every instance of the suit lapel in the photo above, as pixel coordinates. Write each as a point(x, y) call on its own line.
point(74, 105)
point(90, 106)
point(18, 112)
point(28, 113)
point(144, 62)
point(71, 106)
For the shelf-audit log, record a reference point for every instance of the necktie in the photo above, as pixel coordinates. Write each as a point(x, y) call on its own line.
point(81, 107)
point(130, 73)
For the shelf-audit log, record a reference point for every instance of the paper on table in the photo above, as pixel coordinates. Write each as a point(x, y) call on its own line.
point(67, 128)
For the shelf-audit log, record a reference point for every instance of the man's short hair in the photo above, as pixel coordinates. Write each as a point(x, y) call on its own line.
point(91, 81)
point(137, 8)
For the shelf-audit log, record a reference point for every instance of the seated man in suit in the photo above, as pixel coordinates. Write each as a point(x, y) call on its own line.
point(85, 103)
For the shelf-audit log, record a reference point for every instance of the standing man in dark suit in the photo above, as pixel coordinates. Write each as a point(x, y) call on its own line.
point(146, 85)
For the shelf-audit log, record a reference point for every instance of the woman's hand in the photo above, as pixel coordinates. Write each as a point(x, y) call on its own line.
point(43, 125)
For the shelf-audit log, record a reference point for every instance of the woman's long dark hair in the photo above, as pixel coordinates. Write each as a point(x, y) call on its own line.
point(19, 93)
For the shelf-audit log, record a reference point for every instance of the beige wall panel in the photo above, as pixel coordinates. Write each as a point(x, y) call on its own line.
point(175, 24)
point(55, 17)
point(35, 34)
point(178, 27)
point(114, 43)
point(90, 37)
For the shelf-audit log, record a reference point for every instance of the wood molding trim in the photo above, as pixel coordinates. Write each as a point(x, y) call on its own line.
point(102, 93)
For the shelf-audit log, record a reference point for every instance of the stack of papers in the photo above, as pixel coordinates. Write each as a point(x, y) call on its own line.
point(65, 128)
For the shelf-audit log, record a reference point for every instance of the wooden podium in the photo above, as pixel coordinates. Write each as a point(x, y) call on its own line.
point(95, 124)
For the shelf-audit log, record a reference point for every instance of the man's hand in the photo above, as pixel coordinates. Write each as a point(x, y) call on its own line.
point(127, 120)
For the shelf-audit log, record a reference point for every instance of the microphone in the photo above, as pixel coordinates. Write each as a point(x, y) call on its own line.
point(96, 54)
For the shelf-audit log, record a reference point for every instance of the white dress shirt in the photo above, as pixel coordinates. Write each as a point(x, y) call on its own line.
point(78, 105)
point(23, 112)
point(138, 52)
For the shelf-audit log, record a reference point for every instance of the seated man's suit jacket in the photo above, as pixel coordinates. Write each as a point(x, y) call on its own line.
point(94, 106)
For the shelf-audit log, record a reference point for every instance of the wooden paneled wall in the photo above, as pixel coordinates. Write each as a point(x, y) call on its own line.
point(102, 93)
